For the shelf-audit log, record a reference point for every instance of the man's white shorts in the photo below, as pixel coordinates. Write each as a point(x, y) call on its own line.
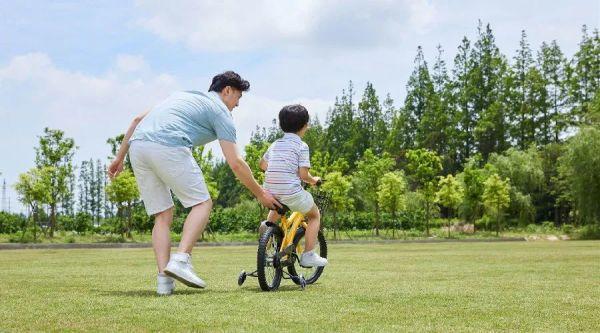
point(300, 202)
point(161, 169)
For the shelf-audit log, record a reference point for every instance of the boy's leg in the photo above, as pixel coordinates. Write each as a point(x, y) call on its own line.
point(194, 225)
point(314, 221)
point(309, 258)
point(161, 238)
point(272, 217)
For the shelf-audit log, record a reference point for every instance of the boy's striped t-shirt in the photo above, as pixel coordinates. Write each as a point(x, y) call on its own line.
point(284, 157)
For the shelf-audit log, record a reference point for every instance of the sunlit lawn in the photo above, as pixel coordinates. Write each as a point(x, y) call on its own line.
point(539, 286)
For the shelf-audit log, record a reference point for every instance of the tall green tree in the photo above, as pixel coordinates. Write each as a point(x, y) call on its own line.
point(462, 92)
point(522, 115)
point(340, 127)
point(123, 191)
point(496, 197)
point(553, 67)
point(370, 127)
point(369, 171)
point(56, 151)
point(449, 195)
point(338, 187)
point(580, 168)
point(584, 73)
point(423, 167)
point(420, 104)
point(33, 188)
point(391, 195)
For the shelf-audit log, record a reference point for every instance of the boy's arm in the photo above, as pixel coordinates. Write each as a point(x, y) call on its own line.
point(307, 177)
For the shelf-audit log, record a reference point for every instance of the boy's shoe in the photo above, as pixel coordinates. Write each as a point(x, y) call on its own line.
point(311, 259)
point(166, 284)
point(180, 268)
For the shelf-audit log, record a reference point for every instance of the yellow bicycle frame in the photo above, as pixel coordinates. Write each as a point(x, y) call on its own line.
point(289, 227)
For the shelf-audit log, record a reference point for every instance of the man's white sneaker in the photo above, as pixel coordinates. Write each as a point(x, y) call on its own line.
point(180, 268)
point(311, 259)
point(165, 285)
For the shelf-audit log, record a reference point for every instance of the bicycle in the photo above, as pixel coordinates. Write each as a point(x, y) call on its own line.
point(281, 246)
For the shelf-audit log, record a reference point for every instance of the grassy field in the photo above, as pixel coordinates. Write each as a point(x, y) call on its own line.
point(538, 286)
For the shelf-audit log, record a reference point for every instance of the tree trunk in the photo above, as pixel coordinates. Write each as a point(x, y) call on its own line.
point(376, 221)
point(52, 219)
point(427, 218)
point(129, 220)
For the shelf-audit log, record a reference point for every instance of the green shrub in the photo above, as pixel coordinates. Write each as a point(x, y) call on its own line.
point(591, 231)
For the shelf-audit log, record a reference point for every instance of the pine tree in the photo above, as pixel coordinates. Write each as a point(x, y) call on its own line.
point(553, 68)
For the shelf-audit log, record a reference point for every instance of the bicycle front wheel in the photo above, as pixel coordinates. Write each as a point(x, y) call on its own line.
point(311, 274)
point(268, 269)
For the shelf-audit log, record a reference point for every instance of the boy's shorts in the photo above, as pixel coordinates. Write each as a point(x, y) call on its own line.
point(161, 169)
point(300, 202)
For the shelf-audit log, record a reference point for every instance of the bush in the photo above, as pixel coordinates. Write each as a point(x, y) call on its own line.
point(81, 222)
point(11, 223)
point(591, 231)
point(568, 229)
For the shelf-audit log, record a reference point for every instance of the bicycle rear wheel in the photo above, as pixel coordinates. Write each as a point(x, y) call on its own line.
point(311, 274)
point(268, 269)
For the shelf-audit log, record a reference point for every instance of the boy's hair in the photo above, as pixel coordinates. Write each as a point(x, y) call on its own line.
point(229, 78)
point(292, 118)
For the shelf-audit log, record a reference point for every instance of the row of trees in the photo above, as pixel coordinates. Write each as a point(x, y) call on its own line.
point(488, 139)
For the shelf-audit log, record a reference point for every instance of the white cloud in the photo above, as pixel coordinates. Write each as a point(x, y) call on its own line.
point(35, 93)
point(245, 25)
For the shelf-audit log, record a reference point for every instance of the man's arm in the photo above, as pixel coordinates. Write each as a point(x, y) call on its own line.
point(242, 171)
point(117, 164)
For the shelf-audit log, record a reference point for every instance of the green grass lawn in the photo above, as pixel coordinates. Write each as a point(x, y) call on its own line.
point(539, 286)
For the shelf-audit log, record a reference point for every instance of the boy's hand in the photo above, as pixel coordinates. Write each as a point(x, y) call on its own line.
point(317, 181)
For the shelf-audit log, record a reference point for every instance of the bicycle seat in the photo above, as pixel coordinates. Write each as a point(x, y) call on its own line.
point(284, 209)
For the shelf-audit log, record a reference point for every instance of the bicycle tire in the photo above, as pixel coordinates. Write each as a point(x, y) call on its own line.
point(269, 240)
point(316, 272)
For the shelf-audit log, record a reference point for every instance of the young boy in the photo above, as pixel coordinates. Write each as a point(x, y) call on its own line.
point(286, 163)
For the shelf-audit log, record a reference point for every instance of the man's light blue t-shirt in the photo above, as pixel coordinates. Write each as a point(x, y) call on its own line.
point(187, 118)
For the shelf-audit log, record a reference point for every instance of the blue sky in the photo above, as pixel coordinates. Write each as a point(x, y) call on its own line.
point(88, 68)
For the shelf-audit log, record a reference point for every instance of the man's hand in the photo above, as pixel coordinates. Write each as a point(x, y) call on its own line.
point(115, 168)
point(268, 200)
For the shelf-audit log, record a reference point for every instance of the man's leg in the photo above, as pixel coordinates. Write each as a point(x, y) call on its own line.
point(194, 225)
point(161, 238)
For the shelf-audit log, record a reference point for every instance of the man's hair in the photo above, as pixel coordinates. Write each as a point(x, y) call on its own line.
point(292, 118)
point(229, 78)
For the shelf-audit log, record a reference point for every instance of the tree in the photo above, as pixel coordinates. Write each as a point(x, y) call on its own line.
point(526, 174)
point(56, 151)
point(205, 162)
point(584, 73)
point(370, 131)
point(462, 98)
point(369, 171)
point(450, 194)
point(472, 179)
point(390, 194)
point(553, 68)
point(338, 187)
point(520, 117)
point(34, 191)
point(423, 167)
point(340, 127)
point(580, 167)
point(123, 191)
point(496, 197)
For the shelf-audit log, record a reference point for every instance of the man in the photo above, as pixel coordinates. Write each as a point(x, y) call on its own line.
point(159, 144)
